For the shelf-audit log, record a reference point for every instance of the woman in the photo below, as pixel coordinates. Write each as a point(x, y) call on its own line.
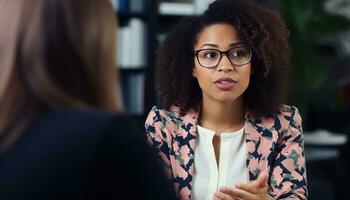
point(224, 132)
point(60, 134)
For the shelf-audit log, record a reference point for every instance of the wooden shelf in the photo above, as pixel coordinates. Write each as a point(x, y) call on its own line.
point(165, 19)
point(132, 70)
point(127, 16)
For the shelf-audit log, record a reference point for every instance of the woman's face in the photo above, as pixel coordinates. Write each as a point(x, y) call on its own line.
point(226, 82)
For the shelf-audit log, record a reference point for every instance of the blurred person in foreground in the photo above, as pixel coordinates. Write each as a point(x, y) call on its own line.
point(61, 136)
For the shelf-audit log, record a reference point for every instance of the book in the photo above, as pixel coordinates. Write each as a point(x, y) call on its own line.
point(176, 8)
point(194, 7)
point(129, 6)
point(123, 6)
point(138, 43)
point(131, 44)
point(114, 4)
point(133, 88)
point(124, 53)
point(201, 5)
point(137, 6)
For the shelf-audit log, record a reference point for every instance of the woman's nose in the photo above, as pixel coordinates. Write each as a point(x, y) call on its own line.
point(225, 64)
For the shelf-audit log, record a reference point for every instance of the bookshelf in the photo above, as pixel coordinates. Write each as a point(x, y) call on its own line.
point(134, 53)
point(146, 23)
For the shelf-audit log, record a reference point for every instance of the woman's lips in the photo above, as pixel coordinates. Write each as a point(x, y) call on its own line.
point(225, 83)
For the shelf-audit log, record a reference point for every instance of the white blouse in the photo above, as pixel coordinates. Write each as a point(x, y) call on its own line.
point(232, 164)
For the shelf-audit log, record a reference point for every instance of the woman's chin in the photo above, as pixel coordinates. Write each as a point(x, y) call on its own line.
point(227, 98)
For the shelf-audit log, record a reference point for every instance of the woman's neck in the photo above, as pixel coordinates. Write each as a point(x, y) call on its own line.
point(222, 117)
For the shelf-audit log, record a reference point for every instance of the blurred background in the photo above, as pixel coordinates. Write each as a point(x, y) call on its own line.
point(320, 85)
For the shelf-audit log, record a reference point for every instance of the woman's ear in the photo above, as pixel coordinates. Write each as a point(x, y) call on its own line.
point(194, 72)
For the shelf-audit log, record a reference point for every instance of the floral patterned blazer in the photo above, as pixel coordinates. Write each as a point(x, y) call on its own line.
point(274, 144)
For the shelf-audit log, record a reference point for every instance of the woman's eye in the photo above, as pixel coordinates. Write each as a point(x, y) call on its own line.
point(210, 54)
point(239, 53)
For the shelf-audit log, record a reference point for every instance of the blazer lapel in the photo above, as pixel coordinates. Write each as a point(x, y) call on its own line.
point(259, 140)
point(252, 142)
point(186, 139)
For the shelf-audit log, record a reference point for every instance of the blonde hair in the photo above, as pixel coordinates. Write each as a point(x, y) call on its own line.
point(56, 53)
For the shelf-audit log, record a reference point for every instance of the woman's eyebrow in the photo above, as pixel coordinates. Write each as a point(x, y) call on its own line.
point(210, 44)
point(217, 46)
point(236, 44)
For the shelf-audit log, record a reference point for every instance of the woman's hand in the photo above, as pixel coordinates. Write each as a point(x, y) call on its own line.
point(254, 191)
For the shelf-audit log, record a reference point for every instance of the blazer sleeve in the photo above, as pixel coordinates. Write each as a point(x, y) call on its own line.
point(289, 172)
point(158, 137)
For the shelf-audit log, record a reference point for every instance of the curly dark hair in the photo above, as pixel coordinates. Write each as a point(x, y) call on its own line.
point(258, 26)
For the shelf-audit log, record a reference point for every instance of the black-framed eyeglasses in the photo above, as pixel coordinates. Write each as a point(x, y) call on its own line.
point(238, 56)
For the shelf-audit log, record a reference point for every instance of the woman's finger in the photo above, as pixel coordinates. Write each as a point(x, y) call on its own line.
point(262, 180)
point(222, 196)
point(241, 194)
point(248, 188)
point(228, 191)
